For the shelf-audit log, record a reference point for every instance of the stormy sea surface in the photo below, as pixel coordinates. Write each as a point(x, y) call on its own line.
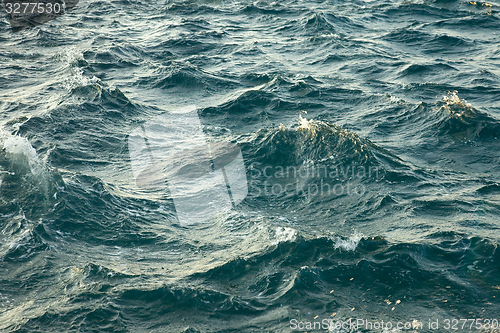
point(370, 135)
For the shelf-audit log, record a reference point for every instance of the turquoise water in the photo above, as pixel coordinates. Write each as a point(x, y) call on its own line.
point(369, 132)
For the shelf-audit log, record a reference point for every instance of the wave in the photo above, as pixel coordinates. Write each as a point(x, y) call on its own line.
point(23, 174)
point(321, 276)
point(450, 118)
point(422, 70)
point(184, 76)
point(463, 23)
point(423, 10)
point(28, 190)
point(373, 267)
point(429, 43)
point(260, 8)
point(464, 122)
point(311, 140)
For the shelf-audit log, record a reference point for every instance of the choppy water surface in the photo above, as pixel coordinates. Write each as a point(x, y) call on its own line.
point(390, 109)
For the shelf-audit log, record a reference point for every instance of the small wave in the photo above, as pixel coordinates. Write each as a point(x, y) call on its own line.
point(24, 243)
point(182, 76)
point(73, 60)
point(20, 151)
point(285, 234)
point(258, 8)
point(429, 43)
point(452, 117)
point(349, 244)
point(464, 122)
point(28, 189)
point(425, 70)
point(188, 8)
point(23, 172)
point(484, 22)
point(317, 23)
point(310, 140)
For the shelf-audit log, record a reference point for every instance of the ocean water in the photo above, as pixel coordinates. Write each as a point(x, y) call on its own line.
point(370, 137)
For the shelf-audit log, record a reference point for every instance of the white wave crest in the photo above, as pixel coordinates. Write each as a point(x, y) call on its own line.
point(349, 244)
